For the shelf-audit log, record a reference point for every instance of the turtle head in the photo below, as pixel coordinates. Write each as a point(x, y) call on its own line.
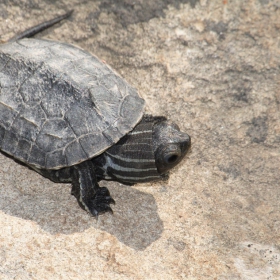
point(145, 154)
point(170, 145)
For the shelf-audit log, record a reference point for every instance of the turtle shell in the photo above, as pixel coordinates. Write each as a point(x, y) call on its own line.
point(60, 105)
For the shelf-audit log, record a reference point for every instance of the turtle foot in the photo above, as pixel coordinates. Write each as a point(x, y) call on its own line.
point(101, 202)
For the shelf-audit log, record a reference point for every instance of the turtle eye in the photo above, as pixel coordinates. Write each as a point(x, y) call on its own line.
point(167, 156)
point(170, 145)
point(171, 158)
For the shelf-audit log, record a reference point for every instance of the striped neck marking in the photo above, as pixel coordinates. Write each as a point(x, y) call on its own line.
point(129, 159)
point(137, 179)
point(110, 163)
point(132, 159)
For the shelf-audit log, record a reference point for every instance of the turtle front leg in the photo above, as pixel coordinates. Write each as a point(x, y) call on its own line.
point(90, 196)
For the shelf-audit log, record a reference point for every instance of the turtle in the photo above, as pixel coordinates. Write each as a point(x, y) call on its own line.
point(73, 119)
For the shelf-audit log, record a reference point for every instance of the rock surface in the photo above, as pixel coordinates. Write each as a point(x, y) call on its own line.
point(212, 67)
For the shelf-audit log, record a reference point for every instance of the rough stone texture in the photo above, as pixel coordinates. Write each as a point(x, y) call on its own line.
point(211, 66)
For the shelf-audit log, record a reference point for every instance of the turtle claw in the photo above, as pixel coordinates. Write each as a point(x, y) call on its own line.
point(101, 203)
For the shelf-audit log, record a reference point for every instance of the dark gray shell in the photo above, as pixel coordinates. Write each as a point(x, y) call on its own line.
point(59, 105)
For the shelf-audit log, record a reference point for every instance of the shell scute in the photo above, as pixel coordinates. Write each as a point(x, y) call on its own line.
point(60, 105)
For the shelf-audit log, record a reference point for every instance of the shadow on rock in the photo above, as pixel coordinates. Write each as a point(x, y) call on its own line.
point(135, 221)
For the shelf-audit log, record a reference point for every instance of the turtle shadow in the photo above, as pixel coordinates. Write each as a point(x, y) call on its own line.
point(135, 221)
